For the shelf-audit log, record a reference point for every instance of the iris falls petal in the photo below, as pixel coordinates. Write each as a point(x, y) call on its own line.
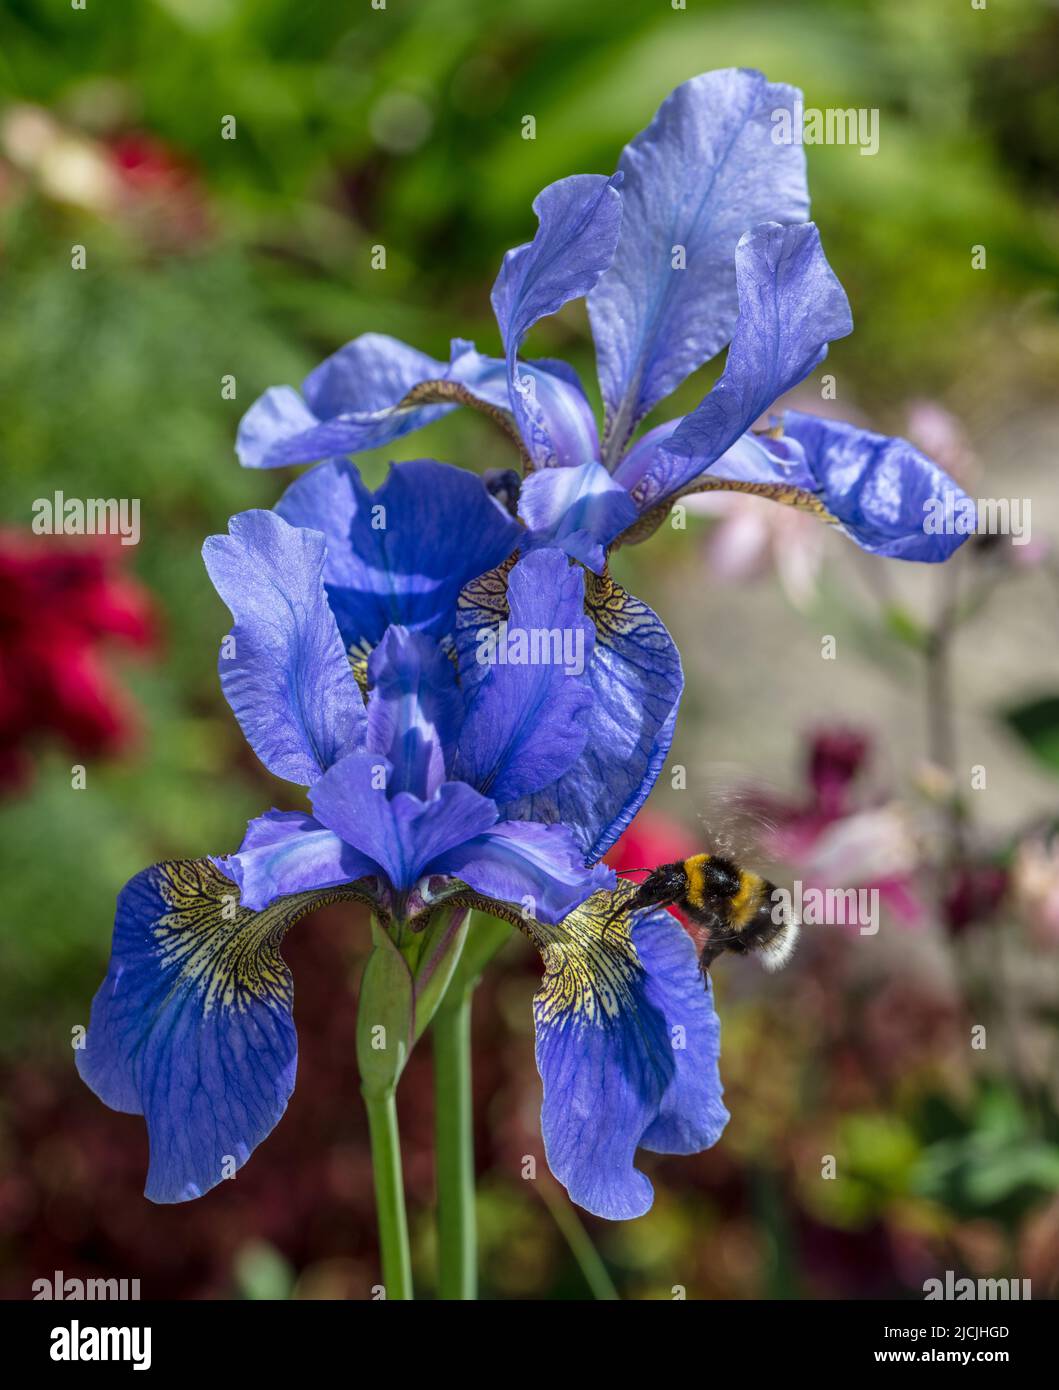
point(627, 1047)
point(192, 1025)
point(348, 404)
point(887, 496)
point(880, 490)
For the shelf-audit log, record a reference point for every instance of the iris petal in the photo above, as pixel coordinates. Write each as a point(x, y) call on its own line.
point(288, 852)
point(627, 1047)
point(402, 834)
point(377, 389)
point(580, 218)
point(537, 868)
point(706, 168)
point(580, 510)
point(192, 1026)
point(400, 555)
point(791, 306)
point(637, 679)
point(636, 461)
point(415, 710)
point(882, 491)
point(349, 405)
point(525, 723)
point(556, 421)
point(283, 670)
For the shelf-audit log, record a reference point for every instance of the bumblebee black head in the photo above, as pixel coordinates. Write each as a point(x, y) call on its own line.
point(666, 884)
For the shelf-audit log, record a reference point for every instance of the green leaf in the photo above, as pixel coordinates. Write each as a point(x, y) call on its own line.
point(1037, 724)
point(900, 623)
point(437, 958)
point(261, 1272)
point(385, 1015)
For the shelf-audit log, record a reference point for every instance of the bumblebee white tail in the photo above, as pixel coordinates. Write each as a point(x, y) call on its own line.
point(778, 951)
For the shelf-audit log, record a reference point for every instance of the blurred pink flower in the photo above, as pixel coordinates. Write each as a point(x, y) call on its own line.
point(1035, 887)
point(972, 893)
point(875, 848)
point(838, 838)
point(63, 606)
point(754, 537)
point(941, 436)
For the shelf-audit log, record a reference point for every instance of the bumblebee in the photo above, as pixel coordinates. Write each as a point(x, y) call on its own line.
point(738, 910)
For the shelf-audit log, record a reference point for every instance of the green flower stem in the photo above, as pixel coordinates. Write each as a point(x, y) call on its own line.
point(454, 1141)
point(588, 1258)
point(389, 1195)
point(454, 1123)
point(384, 1039)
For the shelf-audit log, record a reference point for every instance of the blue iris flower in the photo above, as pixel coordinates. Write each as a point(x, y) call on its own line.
point(462, 779)
point(699, 241)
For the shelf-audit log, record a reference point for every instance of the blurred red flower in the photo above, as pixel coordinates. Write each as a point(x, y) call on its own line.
point(60, 602)
point(160, 185)
point(652, 839)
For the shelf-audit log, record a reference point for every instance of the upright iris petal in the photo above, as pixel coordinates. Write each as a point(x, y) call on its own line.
point(415, 715)
point(580, 218)
point(705, 170)
point(791, 306)
point(526, 722)
point(402, 554)
point(271, 577)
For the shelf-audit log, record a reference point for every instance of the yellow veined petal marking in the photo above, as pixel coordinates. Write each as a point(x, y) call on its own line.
point(230, 953)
